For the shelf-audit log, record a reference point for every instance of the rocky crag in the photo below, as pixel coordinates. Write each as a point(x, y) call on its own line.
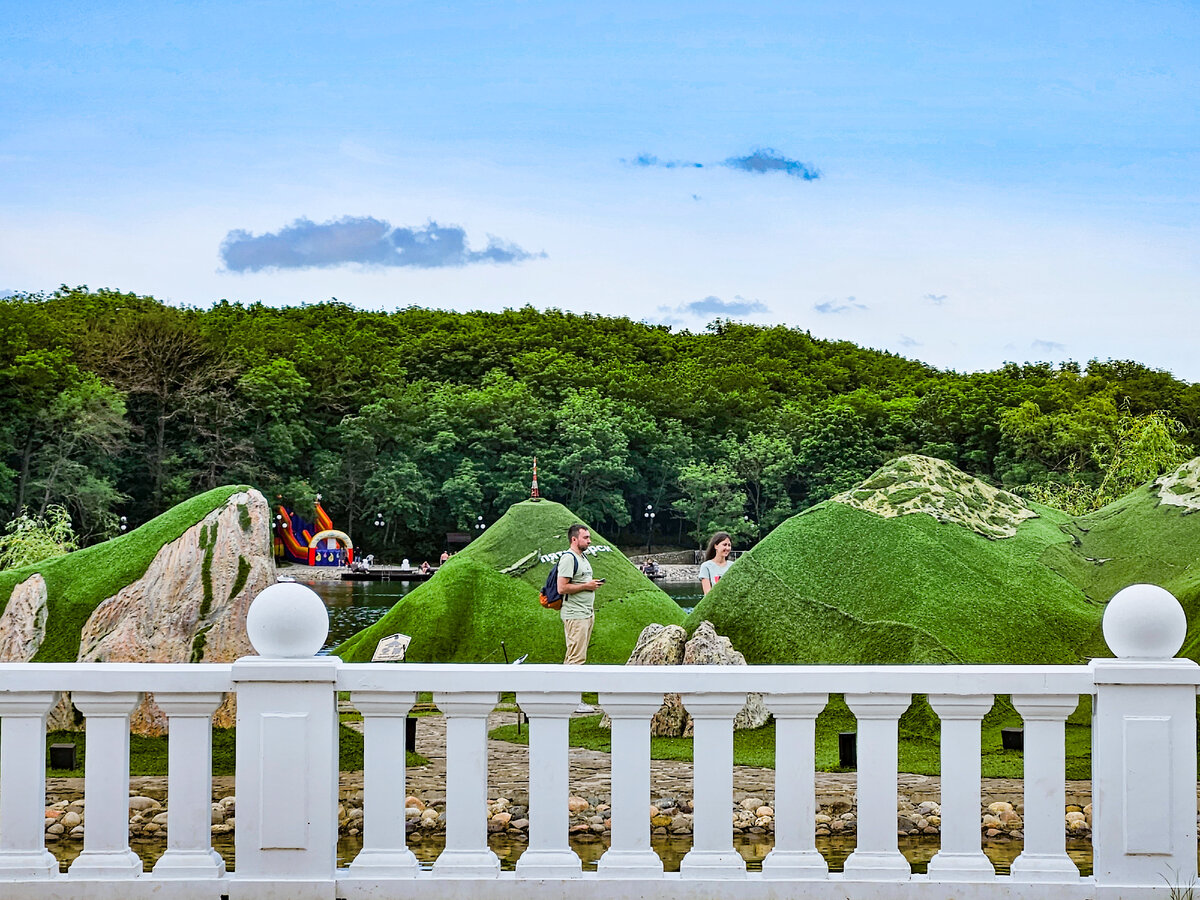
point(189, 605)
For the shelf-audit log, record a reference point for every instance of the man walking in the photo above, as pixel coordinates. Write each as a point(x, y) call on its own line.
point(578, 587)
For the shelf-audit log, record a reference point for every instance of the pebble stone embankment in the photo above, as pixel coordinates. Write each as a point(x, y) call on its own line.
point(670, 810)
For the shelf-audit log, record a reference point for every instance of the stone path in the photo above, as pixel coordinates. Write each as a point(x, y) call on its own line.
point(508, 776)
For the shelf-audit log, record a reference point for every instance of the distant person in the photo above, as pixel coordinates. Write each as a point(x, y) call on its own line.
point(445, 556)
point(426, 568)
point(578, 587)
point(716, 560)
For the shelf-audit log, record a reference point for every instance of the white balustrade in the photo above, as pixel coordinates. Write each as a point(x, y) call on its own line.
point(549, 854)
point(877, 856)
point(1044, 856)
point(189, 787)
point(795, 855)
point(106, 853)
point(1144, 773)
point(961, 858)
point(629, 854)
point(712, 855)
point(467, 854)
point(23, 852)
point(384, 852)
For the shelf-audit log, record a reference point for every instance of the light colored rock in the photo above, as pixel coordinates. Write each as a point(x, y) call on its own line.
point(56, 828)
point(143, 803)
point(158, 617)
point(577, 804)
point(661, 645)
point(23, 623)
point(412, 813)
point(921, 484)
point(502, 817)
point(218, 814)
point(707, 648)
point(414, 803)
point(751, 803)
point(998, 807)
point(160, 819)
point(764, 811)
point(70, 819)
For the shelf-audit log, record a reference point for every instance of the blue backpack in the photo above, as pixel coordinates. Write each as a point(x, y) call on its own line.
point(550, 598)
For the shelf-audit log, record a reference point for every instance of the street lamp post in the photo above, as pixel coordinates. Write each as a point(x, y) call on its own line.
point(479, 525)
point(648, 515)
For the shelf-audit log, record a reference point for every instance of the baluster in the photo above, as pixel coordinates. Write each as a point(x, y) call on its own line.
point(961, 858)
point(467, 853)
point(385, 852)
point(795, 855)
point(23, 852)
point(189, 787)
point(712, 855)
point(106, 852)
point(1045, 855)
point(549, 854)
point(629, 854)
point(877, 856)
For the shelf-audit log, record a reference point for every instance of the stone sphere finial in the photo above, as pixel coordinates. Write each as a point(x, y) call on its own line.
point(1144, 621)
point(287, 621)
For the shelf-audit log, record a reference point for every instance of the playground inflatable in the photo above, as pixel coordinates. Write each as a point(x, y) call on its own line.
point(318, 544)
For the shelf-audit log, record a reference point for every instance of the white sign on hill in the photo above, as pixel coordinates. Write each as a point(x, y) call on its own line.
point(391, 648)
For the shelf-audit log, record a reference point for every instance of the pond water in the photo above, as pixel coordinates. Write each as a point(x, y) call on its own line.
point(353, 605)
point(918, 851)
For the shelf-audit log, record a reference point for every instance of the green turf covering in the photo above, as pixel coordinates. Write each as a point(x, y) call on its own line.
point(470, 605)
point(839, 584)
point(79, 582)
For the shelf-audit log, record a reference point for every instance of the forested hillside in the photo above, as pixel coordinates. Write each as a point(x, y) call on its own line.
point(117, 405)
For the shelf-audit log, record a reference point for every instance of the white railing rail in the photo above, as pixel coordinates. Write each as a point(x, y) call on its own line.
point(1144, 776)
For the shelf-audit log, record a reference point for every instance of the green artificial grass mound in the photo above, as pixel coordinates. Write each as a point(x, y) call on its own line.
point(488, 593)
point(847, 582)
point(79, 582)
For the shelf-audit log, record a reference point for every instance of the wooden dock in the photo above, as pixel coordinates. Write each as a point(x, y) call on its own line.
point(389, 573)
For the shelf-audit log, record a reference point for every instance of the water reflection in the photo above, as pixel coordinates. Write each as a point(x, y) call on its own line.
point(917, 850)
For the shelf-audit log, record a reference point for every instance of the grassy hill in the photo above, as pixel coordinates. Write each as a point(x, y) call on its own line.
point(78, 582)
point(472, 603)
point(914, 566)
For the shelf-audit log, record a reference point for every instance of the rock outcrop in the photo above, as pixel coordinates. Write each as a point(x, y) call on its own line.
point(1181, 487)
point(921, 484)
point(189, 606)
point(23, 624)
point(668, 645)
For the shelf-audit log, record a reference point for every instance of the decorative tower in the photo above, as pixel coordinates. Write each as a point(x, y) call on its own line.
point(533, 492)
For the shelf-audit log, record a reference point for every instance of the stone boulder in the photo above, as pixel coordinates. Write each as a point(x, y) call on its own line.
point(23, 624)
point(668, 645)
point(707, 648)
point(189, 606)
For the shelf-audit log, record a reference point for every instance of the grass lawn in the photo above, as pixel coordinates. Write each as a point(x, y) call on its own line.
point(148, 755)
point(919, 745)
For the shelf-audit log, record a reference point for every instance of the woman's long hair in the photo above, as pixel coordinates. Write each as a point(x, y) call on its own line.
point(713, 541)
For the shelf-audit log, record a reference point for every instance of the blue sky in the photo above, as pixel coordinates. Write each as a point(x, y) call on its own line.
point(964, 186)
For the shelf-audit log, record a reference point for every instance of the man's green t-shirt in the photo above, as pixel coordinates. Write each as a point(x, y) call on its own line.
point(581, 604)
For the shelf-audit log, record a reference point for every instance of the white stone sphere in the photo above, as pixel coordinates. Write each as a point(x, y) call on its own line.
point(287, 621)
point(1144, 621)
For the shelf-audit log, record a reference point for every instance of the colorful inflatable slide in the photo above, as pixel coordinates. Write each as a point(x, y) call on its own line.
point(314, 545)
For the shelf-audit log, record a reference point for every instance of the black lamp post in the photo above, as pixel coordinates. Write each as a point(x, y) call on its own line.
point(648, 515)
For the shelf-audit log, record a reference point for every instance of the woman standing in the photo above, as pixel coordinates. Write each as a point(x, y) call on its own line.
point(716, 560)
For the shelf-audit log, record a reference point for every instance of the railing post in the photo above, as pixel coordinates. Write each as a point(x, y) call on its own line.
point(629, 854)
point(385, 852)
point(877, 856)
point(190, 853)
point(23, 852)
point(712, 855)
point(106, 852)
point(287, 750)
point(1144, 747)
point(549, 854)
point(795, 855)
point(961, 858)
point(1044, 858)
point(467, 854)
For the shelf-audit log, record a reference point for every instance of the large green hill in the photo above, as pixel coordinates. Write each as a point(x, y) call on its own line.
point(488, 593)
point(924, 564)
